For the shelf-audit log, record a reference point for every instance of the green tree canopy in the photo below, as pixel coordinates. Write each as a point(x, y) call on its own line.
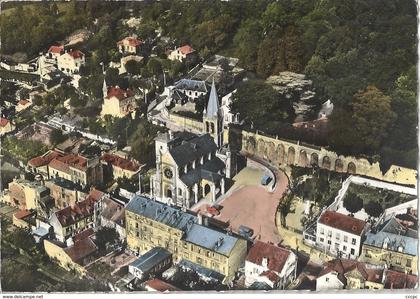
point(353, 203)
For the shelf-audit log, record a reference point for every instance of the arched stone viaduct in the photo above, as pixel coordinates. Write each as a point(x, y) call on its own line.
point(285, 152)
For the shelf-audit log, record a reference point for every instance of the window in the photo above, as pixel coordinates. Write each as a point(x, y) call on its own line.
point(137, 225)
point(353, 241)
point(321, 231)
point(408, 264)
point(352, 251)
point(329, 242)
point(329, 233)
point(344, 248)
point(345, 239)
point(337, 236)
point(398, 261)
point(327, 279)
point(321, 240)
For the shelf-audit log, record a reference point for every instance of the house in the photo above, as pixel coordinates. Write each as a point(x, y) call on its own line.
point(76, 168)
point(191, 88)
point(70, 221)
point(27, 195)
point(39, 164)
point(157, 285)
point(120, 167)
point(270, 264)
point(153, 262)
point(118, 102)
point(75, 256)
point(23, 219)
point(343, 273)
point(182, 54)
point(110, 212)
point(151, 223)
point(399, 280)
point(70, 62)
point(129, 45)
point(393, 245)
point(6, 126)
point(65, 193)
point(339, 234)
point(228, 116)
point(22, 105)
point(54, 52)
point(187, 169)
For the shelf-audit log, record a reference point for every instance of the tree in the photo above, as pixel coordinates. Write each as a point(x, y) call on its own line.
point(154, 67)
point(373, 209)
point(106, 236)
point(57, 136)
point(133, 67)
point(371, 117)
point(353, 203)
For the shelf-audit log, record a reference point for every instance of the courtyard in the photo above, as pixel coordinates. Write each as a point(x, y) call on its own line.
point(253, 205)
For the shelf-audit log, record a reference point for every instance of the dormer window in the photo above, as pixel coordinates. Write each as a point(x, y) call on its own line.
point(202, 160)
point(193, 164)
point(209, 156)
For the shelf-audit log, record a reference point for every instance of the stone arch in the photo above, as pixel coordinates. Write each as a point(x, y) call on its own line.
point(303, 158)
point(314, 159)
point(261, 148)
point(271, 151)
point(339, 165)
point(251, 145)
point(280, 153)
point(351, 168)
point(291, 155)
point(326, 162)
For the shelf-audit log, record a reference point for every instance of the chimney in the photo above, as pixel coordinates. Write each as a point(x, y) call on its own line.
point(264, 262)
point(171, 136)
point(200, 218)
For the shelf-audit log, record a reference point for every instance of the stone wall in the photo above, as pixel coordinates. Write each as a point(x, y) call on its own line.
point(287, 152)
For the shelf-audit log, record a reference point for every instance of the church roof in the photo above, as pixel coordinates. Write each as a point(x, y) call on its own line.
point(213, 104)
point(193, 149)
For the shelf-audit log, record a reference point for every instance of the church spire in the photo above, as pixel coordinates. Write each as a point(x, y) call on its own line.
point(213, 104)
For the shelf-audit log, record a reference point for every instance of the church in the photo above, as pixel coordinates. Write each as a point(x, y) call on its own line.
point(191, 166)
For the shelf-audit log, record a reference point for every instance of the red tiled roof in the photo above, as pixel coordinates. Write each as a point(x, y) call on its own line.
point(119, 93)
point(3, 122)
point(399, 280)
point(273, 277)
point(43, 160)
point(76, 54)
point(83, 235)
point(21, 214)
point(81, 210)
point(81, 249)
point(343, 222)
point(161, 286)
point(56, 49)
point(23, 102)
point(119, 162)
point(63, 163)
point(343, 266)
point(276, 256)
point(134, 42)
point(186, 49)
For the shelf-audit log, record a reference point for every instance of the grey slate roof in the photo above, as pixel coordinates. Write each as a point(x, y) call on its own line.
point(213, 104)
point(203, 271)
point(150, 259)
point(193, 149)
point(206, 171)
point(205, 237)
point(193, 85)
point(160, 212)
point(394, 227)
point(394, 242)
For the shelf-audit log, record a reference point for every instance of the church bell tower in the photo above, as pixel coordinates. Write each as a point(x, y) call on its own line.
point(213, 117)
